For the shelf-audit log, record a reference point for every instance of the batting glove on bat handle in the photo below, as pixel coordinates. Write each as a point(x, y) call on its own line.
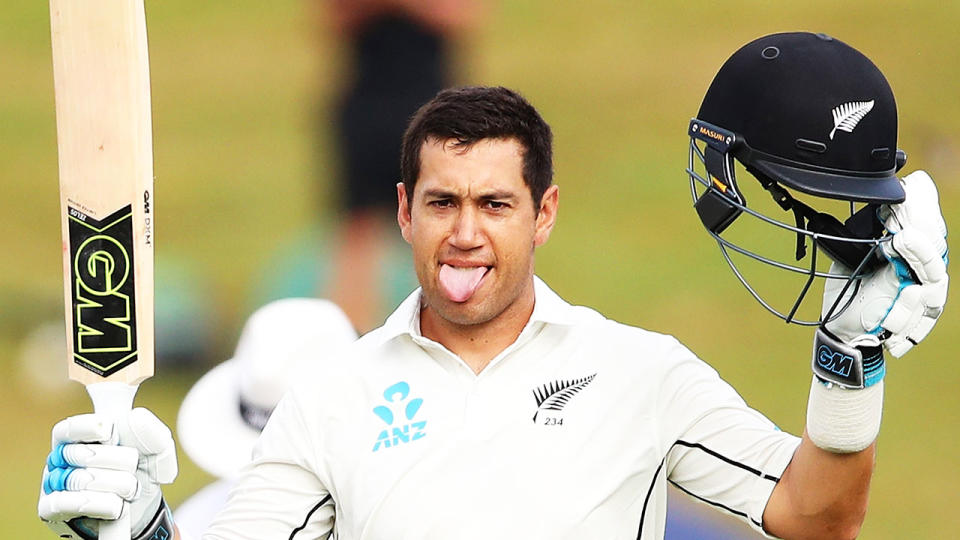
point(898, 304)
point(95, 466)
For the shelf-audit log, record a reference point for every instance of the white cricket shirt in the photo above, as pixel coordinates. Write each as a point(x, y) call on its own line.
point(194, 515)
point(571, 432)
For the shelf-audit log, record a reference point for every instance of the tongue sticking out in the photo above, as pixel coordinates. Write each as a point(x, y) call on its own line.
point(459, 284)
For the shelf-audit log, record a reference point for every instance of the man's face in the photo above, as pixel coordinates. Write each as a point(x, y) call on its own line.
point(473, 227)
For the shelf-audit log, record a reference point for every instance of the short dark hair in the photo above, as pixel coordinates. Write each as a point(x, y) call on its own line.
point(470, 114)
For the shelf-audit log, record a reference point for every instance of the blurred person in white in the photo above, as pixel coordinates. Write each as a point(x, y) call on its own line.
point(225, 411)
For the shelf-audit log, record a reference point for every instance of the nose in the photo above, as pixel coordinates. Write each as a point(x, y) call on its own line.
point(467, 231)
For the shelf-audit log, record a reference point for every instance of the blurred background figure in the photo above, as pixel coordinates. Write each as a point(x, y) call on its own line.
point(398, 56)
point(224, 412)
point(186, 318)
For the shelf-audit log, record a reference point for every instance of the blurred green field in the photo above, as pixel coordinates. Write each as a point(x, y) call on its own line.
point(240, 88)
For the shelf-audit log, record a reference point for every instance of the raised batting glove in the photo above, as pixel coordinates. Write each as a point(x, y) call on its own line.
point(898, 304)
point(88, 476)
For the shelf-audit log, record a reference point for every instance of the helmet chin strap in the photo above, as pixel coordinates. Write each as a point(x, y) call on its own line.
point(786, 201)
point(862, 225)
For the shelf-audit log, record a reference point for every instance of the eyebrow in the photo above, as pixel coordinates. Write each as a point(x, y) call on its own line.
point(437, 193)
point(498, 195)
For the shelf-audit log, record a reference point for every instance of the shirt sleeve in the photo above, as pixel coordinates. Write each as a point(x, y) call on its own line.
point(718, 450)
point(280, 493)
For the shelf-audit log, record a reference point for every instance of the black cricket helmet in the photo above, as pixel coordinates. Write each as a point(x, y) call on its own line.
point(805, 113)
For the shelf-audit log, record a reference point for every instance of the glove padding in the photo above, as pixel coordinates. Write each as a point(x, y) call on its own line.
point(898, 304)
point(87, 476)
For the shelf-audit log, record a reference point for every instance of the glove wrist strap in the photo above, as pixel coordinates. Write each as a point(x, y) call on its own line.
point(160, 527)
point(837, 363)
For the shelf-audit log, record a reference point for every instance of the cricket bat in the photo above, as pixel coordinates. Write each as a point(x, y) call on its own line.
point(102, 88)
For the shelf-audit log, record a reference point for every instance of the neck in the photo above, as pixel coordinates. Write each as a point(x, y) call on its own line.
point(478, 344)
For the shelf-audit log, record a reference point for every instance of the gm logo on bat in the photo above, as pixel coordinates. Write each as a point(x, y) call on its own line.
point(104, 321)
point(834, 361)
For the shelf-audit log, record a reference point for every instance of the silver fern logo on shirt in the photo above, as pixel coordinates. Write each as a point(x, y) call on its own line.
point(553, 397)
point(847, 116)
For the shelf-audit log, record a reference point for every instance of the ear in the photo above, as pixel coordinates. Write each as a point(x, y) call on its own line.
point(547, 215)
point(403, 211)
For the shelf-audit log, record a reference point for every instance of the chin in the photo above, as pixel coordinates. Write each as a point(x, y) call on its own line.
point(467, 313)
point(463, 314)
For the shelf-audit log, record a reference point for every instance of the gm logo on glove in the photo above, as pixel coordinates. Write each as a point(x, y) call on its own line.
point(834, 361)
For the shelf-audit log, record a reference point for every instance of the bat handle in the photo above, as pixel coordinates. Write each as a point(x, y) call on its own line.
point(114, 399)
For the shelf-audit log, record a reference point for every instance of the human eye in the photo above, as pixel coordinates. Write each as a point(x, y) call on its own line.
point(495, 205)
point(441, 203)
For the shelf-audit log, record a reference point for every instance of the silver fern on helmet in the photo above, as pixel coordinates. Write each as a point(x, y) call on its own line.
point(847, 116)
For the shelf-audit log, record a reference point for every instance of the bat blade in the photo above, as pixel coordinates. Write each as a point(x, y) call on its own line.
point(104, 140)
point(102, 84)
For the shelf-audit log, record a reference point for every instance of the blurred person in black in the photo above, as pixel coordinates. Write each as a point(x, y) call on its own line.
point(400, 55)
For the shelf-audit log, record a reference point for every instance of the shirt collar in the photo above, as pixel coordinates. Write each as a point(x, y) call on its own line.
point(548, 308)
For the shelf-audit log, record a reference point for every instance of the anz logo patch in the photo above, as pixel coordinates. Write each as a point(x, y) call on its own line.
point(399, 415)
point(834, 361)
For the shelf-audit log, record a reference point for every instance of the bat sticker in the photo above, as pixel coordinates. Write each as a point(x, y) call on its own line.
point(104, 309)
